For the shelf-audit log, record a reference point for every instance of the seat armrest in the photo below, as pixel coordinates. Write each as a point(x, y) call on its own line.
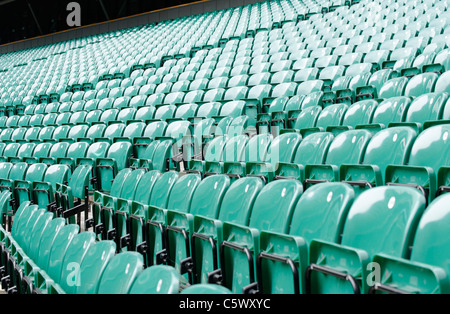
point(336, 268)
point(398, 275)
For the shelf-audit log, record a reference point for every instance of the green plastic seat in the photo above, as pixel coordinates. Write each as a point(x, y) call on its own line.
point(375, 84)
point(18, 135)
point(75, 150)
point(23, 214)
point(236, 208)
point(25, 151)
point(186, 111)
point(15, 249)
point(146, 227)
point(359, 113)
point(311, 150)
point(120, 273)
point(142, 193)
point(235, 93)
point(22, 190)
point(152, 131)
point(255, 97)
point(40, 227)
point(276, 105)
point(131, 131)
point(193, 144)
point(136, 209)
point(215, 94)
point(49, 274)
point(306, 119)
point(58, 150)
point(164, 112)
point(63, 117)
point(176, 132)
point(41, 150)
point(393, 88)
point(212, 152)
point(236, 109)
point(208, 110)
point(425, 109)
point(30, 252)
point(119, 207)
point(16, 173)
point(143, 113)
point(304, 75)
point(70, 275)
point(32, 133)
point(377, 57)
point(41, 253)
point(155, 129)
point(330, 72)
point(93, 265)
point(12, 121)
point(281, 150)
point(392, 110)
point(255, 79)
point(319, 214)
point(96, 150)
point(61, 132)
point(5, 168)
point(113, 130)
point(282, 89)
point(254, 151)
point(5, 135)
point(206, 200)
point(240, 245)
point(283, 116)
point(329, 116)
point(128, 203)
point(421, 84)
point(116, 160)
point(112, 223)
point(426, 270)
point(5, 208)
point(78, 117)
point(162, 156)
point(442, 84)
point(423, 164)
point(383, 220)
point(232, 150)
point(387, 147)
point(158, 279)
point(106, 200)
point(177, 129)
point(10, 151)
point(195, 96)
point(206, 289)
point(46, 133)
point(180, 196)
point(58, 250)
point(97, 129)
point(222, 125)
point(347, 147)
point(238, 126)
point(72, 198)
point(309, 87)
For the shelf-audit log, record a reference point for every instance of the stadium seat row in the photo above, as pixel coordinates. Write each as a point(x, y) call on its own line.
point(197, 225)
point(44, 255)
point(378, 158)
point(247, 246)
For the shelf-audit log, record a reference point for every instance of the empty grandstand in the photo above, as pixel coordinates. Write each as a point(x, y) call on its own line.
point(277, 147)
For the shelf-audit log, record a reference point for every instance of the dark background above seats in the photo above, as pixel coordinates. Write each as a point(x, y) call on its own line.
point(17, 21)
